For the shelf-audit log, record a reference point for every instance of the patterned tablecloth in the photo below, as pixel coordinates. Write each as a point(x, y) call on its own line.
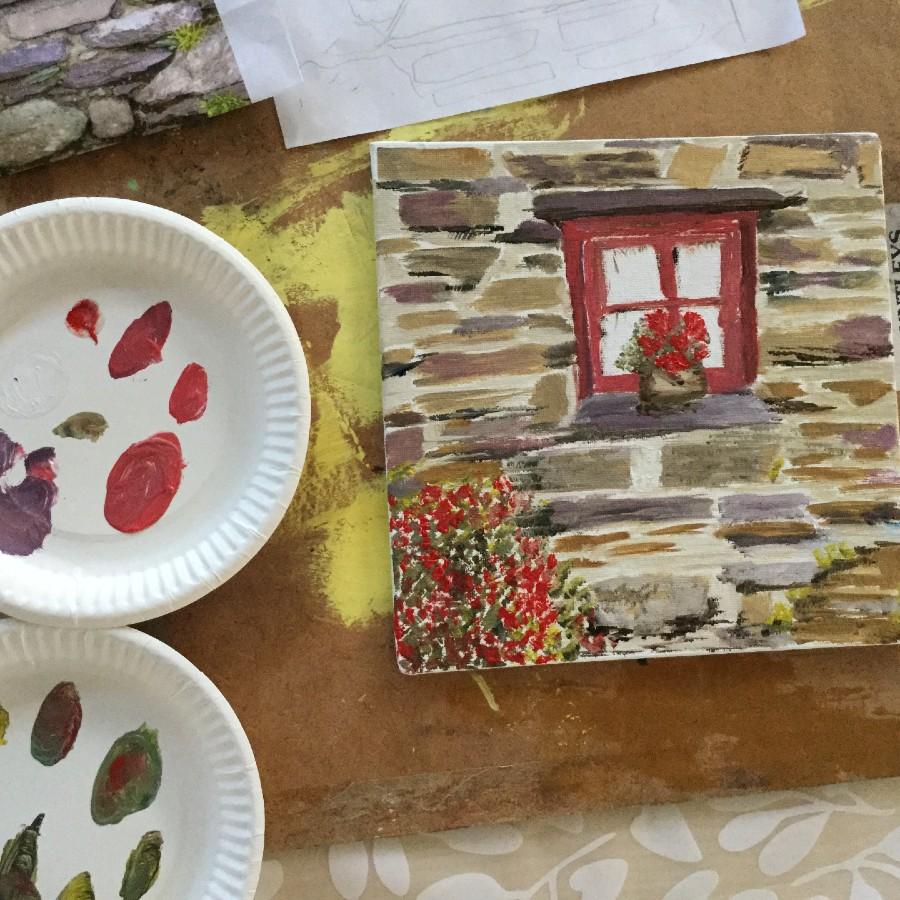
point(829, 843)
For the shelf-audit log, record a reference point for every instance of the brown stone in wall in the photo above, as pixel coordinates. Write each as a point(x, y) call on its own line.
point(818, 158)
point(694, 164)
point(545, 170)
point(857, 204)
point(403, 446)
point(550, 263)
point(785, 251)
point(742, 458)
point(429, 318)
point(441, 163)
point(582, 468)
point(448, 211)
point(550, 400)
point(470, 403)
point(466, 264)
point(869, 164)
point(445, 368)
point(861, 392)
point(517, 294)
point(780, 220)
point(840, 512)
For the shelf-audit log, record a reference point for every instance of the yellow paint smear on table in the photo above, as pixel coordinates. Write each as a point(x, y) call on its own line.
point(314, 242)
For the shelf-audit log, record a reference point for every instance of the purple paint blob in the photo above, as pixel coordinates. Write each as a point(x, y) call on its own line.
point(25, 508)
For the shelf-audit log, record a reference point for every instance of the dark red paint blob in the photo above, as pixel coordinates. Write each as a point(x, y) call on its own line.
point(190, 394)
point(84, 319)
point(141, 344)
point(143, 482)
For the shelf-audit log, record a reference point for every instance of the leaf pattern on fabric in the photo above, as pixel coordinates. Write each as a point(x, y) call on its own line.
point(664, 831)
point(484, 841)
point(601, 880)
point(391, 865)
point(722, 849)
point(696, 886)
point(349, 868)
point(469, 885)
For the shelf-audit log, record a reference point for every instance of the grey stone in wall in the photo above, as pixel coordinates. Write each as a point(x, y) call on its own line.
point(208, 67)
point(142, 25)
point(111, 117)
point(37, 129)
point(37, 17)
point(114, 65)
point(26, 58)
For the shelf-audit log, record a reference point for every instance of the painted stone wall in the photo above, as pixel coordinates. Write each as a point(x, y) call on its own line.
point(480, 377)
point(79, 74)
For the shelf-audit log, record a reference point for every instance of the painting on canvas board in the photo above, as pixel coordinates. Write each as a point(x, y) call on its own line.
point(638, 398)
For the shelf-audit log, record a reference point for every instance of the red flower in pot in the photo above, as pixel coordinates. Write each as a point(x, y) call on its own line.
point(666, 350)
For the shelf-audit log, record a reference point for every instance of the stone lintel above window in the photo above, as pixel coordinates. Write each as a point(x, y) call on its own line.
point(559, 206)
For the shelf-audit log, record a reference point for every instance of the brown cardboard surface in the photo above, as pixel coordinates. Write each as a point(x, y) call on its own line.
point(347, 747)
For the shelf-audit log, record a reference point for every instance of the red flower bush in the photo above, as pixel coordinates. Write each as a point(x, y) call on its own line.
point(472, 589)
point(668, 340)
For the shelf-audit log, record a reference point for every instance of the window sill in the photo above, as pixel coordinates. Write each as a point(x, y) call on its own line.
point(616, 415)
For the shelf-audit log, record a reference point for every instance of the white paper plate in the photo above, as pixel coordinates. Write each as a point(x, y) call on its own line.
point(243, 457)
point(209, 808)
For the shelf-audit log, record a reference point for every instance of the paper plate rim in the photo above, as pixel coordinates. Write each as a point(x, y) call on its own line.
point(46, 642)
point(66, 609)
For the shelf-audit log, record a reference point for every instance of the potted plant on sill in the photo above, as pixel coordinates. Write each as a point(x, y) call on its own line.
point(666, 350)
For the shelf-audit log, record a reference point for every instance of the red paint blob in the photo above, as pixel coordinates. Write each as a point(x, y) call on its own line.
point(190, 394)
point(124, 769)
point(84, 319)
point(142, 342)
point(143, 482)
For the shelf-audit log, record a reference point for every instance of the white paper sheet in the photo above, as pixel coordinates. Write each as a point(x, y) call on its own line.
point(367, 65)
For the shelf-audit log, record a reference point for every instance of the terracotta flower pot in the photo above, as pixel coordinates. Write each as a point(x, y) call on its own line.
point(660, 392)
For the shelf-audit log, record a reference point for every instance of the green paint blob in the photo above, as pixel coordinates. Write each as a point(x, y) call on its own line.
point(83, 426)
point(57, 724)
point(18, 864)
point(142, 867)
point(4, 725)
point(132, 184)
point(79, 888)
point(129, 777)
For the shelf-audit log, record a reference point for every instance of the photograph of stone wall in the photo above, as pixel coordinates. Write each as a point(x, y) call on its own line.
point(638, 397)
point(78, 74)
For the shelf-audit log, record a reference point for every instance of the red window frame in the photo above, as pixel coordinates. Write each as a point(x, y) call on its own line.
point(583, 241)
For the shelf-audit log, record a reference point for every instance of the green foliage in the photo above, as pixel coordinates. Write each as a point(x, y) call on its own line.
point(834, 554)
point(781, 617)
point(185, 37)
point(224, 102)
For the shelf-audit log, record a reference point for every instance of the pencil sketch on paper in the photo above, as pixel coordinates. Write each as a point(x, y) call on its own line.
point(370, 64)
point(638, 398)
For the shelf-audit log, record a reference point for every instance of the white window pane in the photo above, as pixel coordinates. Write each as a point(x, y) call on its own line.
point(710, 314)
point(632, 273)
point(616, 329)
point(698, 270)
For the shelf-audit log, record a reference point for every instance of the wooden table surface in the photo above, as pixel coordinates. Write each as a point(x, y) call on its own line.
point(299, 641)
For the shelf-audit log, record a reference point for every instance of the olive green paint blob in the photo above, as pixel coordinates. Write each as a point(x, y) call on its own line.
point(83, 426)
point(129, 777)
point(142, 867)
point(18, 864)
point(4, 725)
point(57, 724)
point(79, 888)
